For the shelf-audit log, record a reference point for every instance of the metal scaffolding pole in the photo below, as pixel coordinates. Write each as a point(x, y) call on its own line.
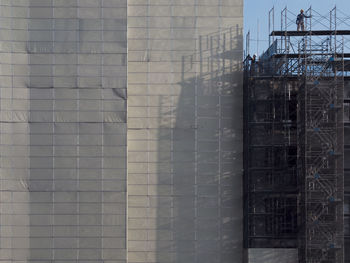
point(294, 121)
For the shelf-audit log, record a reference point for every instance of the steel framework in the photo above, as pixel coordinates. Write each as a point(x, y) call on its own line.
point(294, 143)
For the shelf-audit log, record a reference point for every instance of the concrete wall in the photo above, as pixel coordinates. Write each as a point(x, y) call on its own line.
point(64, 172)
point(271, 255)
point(184, 131)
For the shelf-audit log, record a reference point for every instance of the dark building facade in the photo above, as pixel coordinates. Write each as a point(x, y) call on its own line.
point(296, 174)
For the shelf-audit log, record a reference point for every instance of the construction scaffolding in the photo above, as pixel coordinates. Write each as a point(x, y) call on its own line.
point(294, 143)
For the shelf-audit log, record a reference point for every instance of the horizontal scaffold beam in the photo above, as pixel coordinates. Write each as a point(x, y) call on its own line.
point(296, 55)
point(313, 33)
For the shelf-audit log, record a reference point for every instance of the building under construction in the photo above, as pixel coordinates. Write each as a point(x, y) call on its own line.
point(297, 141)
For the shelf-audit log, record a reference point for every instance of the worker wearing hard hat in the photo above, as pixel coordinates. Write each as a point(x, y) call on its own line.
point(300, 20)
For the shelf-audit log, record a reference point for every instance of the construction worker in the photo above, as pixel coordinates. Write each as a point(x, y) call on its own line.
point(300, 20)
point(254, 58)
point(253, 63)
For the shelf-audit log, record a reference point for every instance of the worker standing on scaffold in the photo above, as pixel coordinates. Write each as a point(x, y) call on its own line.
point(253, 63)
point(300, 20)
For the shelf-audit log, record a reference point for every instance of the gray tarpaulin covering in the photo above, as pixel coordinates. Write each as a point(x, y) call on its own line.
point(63, 131)
point(82, 180)
point(185, 131)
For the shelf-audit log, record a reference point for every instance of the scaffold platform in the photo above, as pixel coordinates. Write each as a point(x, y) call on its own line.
point(295, 33)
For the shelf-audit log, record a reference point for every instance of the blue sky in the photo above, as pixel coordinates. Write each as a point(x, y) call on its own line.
point(256, 12)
